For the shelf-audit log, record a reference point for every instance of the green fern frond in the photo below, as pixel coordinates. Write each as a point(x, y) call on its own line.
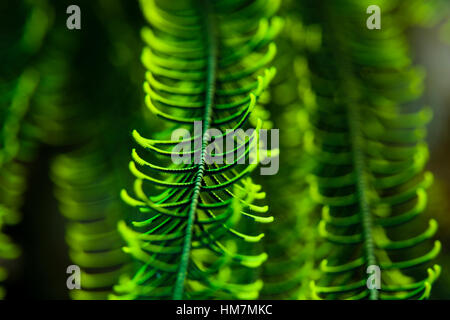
point(367, 139)
point(206, 62)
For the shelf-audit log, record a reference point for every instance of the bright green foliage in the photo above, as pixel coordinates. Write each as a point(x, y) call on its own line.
point(351, 191)
point(206, 62)
point(367, 139)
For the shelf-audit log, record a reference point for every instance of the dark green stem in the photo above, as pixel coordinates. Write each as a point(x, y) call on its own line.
point(209, 102)
point(362, 187)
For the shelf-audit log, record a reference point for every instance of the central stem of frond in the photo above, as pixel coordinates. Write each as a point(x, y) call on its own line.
point(362, 187)
point(212, 56)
